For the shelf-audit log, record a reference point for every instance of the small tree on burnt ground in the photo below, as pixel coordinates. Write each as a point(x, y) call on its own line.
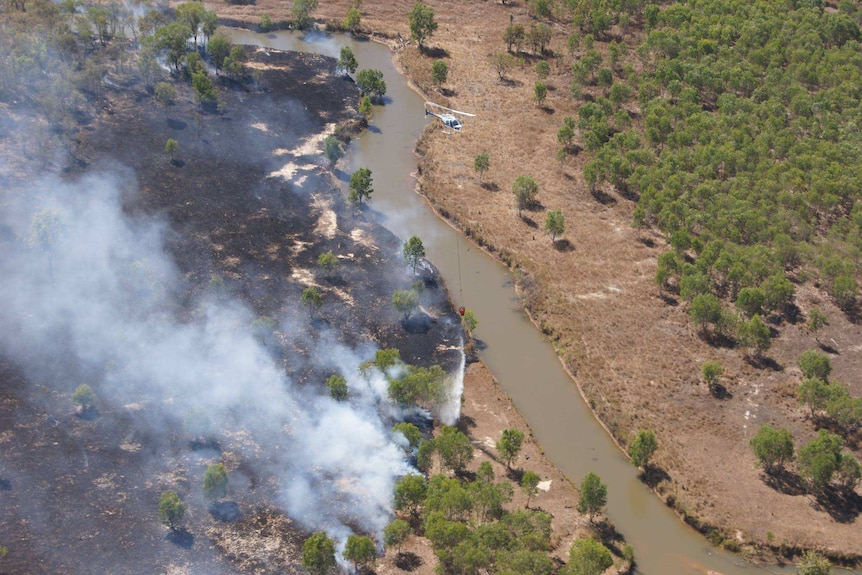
point(318, 554)
point(215, 482)
point(171, 509)
point(413, 251)
point(361, 550)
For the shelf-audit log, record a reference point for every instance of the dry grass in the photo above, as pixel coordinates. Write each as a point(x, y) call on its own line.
point(637, 357)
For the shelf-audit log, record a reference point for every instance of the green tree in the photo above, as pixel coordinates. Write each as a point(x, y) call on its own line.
point(814, 364)
point(642, 448)
point(215, 482)
point(396, 534)
point(406, 302)
point(332, 149)
point(171, 509)
point(439, 72)
point(171, 146)
point(347, 60)
point(711, 371)
point(351, 21)
point(422, 24)
point(418, 385)
point(502, 62)
point(543, 70)
point(525, 190)
point(413, 251)
point(301, 13)
point(233, 64)
point(566, 134)
point(555, 224)
point(454, 448)
point(360, 184)
point(209, 23)
point(816, 321)
point(813, 563)
point(84, 397)
point(371, 83)
point(594, 495)
point(265, 23)
point(485, 472)
point(540, 93)
point(817, 394)
point(514, 35)
point(219, 47)
point(819, 459)
point(361, 550)
point(530, 485)
point(318, 554)
point(204, 90)
point(849, 473)
point(772, 447)
point(192, 14)
point(425, 455)
point(337, 387)
point(750, 301)
point(410, 432)
point(705, 311)
point(755, 335)
point(481, 163)
point(469, 321)
point(311, 298)
point(410, 493)
point(165, 93)
point(173, 38)
point(509, 445)
point(328, 261)
point(365, 106)
point(588, 557)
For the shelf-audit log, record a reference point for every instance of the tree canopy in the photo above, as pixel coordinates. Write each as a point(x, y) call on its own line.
point(422, 23)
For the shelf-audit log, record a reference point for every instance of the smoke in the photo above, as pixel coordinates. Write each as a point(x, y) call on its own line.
point(92, 285)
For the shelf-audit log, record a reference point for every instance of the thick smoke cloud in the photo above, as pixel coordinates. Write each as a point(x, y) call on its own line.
point(100, 292)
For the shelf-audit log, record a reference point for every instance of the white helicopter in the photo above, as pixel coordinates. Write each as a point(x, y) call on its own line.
point(447, 115)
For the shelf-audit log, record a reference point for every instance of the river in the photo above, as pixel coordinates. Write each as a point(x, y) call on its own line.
point(519, 356)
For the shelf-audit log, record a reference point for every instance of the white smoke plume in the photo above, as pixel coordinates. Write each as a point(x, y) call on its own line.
point(103, 296)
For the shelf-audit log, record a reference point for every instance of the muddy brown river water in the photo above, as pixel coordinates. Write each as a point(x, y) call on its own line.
point(519, 356)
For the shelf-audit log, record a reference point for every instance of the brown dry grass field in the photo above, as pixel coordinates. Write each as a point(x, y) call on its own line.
point(635, 355)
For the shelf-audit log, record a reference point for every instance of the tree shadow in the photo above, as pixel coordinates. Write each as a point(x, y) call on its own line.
point(548, 110)
point(465, 423)
point(763, 362)
point(628, 193)
point(827, 348)
point(181, 537)
point(89, 414)
point(435, 52)
point(669, 299)
point(652, 475)
point(205, 444)
point(529, 221)
point(407, 561)
point(177, 124)
point(374, 129)
point(490, 186)
point(448, 92)
point(417, 323)
point(564, 245)
point(603, 197)
point(178, 163)
point(5, 485)
point(648, 242)
point(510, 82)
point(842, 506)
point(227, 511)
point(718, 391)
point(784, 481)
point(515, 475)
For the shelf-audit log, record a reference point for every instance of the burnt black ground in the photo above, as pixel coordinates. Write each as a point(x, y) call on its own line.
point(78, 494)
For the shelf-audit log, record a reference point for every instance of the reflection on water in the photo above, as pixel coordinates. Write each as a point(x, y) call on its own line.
point(518, 355)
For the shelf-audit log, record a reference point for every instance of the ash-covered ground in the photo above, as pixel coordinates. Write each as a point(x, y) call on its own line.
point(172, 287)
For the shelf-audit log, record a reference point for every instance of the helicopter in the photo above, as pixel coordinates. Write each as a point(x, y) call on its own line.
point(447, 115)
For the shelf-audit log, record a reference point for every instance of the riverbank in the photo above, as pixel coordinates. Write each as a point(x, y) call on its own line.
point(634, 356)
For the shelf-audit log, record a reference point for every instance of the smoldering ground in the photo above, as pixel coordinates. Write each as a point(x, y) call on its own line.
point(91, 297)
